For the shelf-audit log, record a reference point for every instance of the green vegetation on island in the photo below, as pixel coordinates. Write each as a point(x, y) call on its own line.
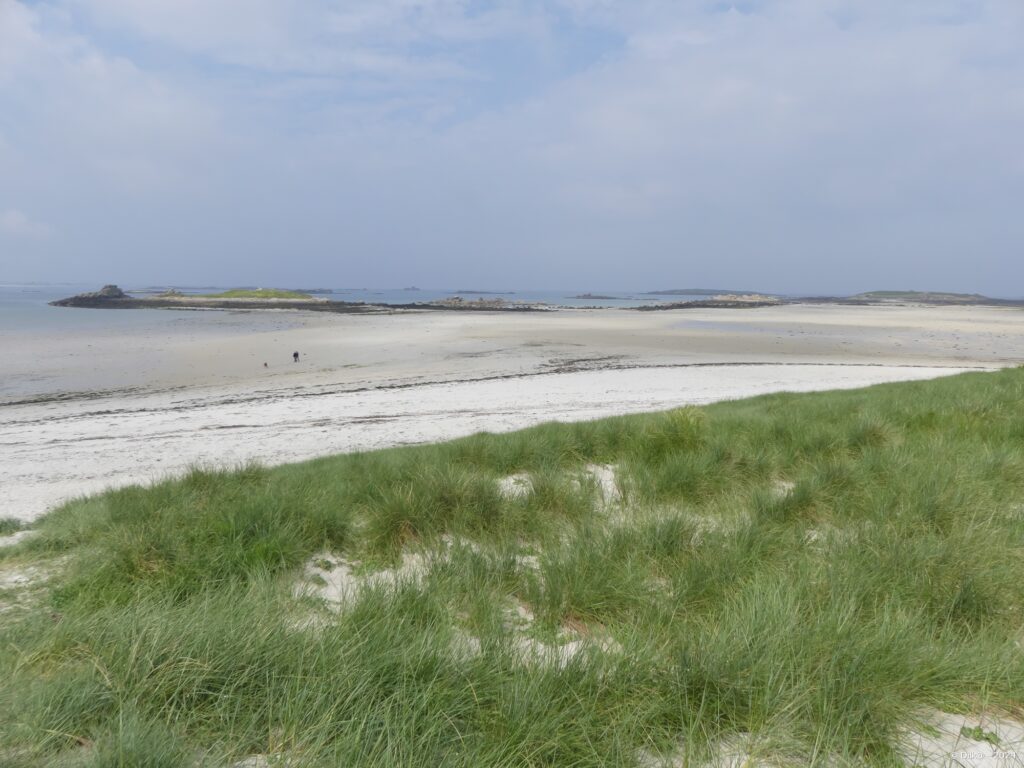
point(925, 296)
point(797, 577)
point(257, 293)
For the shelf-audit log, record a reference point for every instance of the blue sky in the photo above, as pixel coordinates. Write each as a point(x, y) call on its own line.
point(787, 145)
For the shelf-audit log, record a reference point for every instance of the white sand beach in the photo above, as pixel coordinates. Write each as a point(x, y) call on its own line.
point(161, 399)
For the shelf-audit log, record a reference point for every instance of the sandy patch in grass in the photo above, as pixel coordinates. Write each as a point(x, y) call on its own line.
point(944, 739)
point(531, 651)
point(571, 642)
point(607, 485)
point(515, 486)
point(21, 584)
point(737, 751)
point(265, 761)
point(23, 576)
point(520, 485)
point(528, 562)
point(336, 582)
point(11, 539)
point(782, 488)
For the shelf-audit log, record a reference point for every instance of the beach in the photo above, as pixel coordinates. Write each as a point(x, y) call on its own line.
point(87, 407)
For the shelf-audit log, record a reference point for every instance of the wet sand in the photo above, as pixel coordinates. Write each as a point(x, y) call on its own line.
point(134, 407)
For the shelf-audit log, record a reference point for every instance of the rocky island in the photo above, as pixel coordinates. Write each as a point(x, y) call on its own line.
point(903, 298)
point(112, 297)
point(724, 301)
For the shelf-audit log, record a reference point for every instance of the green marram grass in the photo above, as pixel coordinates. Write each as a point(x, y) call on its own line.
point(805, 573)
point(9, 525)
point(257, 293)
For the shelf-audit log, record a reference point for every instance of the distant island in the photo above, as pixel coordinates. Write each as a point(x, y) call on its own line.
point(698, 292)
point(720, 301)
point(933, 298)
point(727, 298)
point(929, 297)
point(112, 297)
point(481, 303)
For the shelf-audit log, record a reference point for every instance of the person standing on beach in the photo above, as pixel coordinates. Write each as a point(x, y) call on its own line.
point(295, 357)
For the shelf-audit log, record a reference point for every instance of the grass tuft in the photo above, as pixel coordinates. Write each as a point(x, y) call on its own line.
point(9, 525)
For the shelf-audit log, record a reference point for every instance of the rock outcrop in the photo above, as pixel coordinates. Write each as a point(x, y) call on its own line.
point(110, 292)
point(104, 296)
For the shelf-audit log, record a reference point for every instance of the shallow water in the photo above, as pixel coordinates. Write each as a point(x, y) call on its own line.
point(26, 309)
point(49, 349)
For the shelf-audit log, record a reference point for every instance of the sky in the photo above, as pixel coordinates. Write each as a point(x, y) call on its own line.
point(795, 146)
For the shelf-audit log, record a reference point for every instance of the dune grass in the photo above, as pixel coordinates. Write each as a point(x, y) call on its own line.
point(9, 525)
point(798, 573)
point(257, 293)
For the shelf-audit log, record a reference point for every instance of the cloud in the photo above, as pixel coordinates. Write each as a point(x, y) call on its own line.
point(784, 144)
point(376, 38)
point(89, 120)
point(15, 223)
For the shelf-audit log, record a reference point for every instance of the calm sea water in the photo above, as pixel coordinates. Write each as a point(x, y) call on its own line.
point(25, 308)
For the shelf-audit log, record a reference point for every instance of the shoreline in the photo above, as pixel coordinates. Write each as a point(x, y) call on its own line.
point(53, 456)
point(81, 397)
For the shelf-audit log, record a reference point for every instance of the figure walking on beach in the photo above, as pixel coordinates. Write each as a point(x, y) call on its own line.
point(295, 357)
